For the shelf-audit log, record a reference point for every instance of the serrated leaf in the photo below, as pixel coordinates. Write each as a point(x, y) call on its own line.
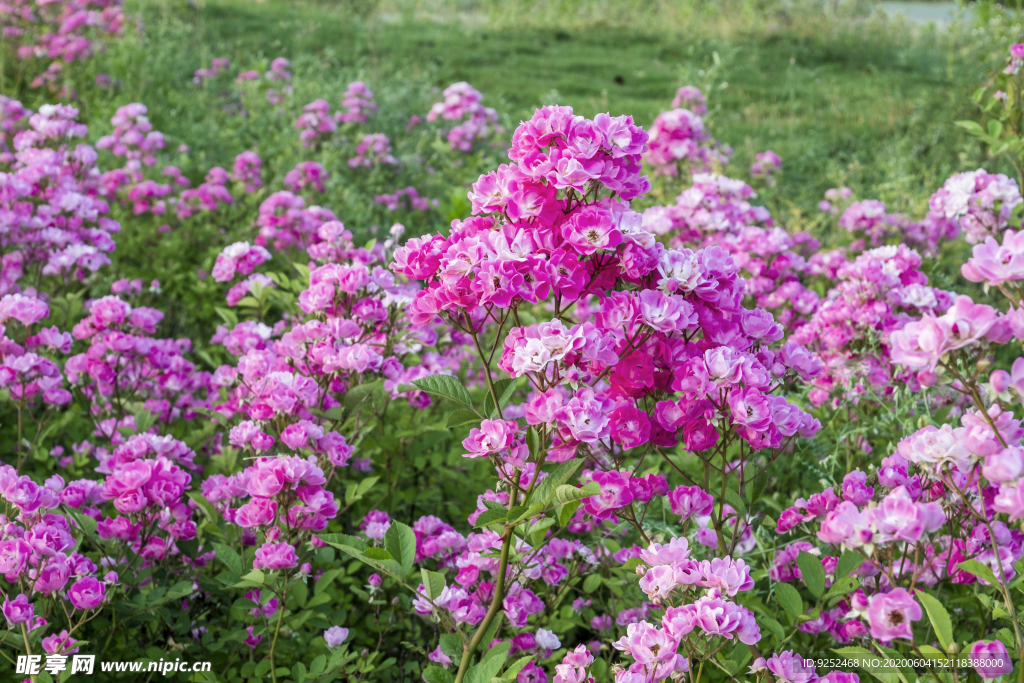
point(773, 625)
point(538, 530)
point(400, 541)
point(499, 650)
point(486, 669)
point(325, 580)
point(490, 517)
point(982, 571)
point(632, 563)
point(756, 488)
point(545, 490)
point(504, 389)
point(433, 582)
point(514, 513)
point(790, 599)
point(733, 499)
point(567, 493)
point(378, 554)
point(355, 548)
point(512, 672)
point(229, 557)
point(939, 617)
point(841, 587)
point(461, 418)
point(848, 561)
point(251, 580)
point(451, 645)
point(361, 393)
point(435, 674)
point(812, 572)
point(447, 386)
point(567, 512)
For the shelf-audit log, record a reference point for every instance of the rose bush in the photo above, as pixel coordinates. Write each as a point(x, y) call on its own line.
point(567, 438)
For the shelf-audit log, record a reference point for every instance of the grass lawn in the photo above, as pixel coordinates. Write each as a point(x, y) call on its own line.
point(869, 106)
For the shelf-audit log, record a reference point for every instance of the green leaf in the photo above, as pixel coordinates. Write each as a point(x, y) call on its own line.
point(631, 564)
point(263, 668)
point(378, 554)
point(591, 583)
point(206, 506)
point(84, 522)
point(400, 541)
point(253, 579)
point(972, 127)
point(812, 572)
point(361, 393)
point(841, 587)
point(939, 618)
point(512, 672)
point(545, 490)
point(356, 490)
point(790, 599)
point(356, 548)
point(499, 650)
point(229, 557)
point(567, 511)
point(733, 499)
point(756, 488)
point(435, 674)
point(514, 513)
point(445, 385)
point(774, 626)
point(848, 561)
point(433, 582)
point(462, 417)
point(451, 645)
point(504, 389)
point(325, 580)
point(980, 570)
point(144, 419)
point(487, 668)
point(490, 517)
point(862, 657)
point(538, 530)
point(567, 493)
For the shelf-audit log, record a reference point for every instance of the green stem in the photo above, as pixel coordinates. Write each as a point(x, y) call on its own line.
point(499, 595)
point(273, 643)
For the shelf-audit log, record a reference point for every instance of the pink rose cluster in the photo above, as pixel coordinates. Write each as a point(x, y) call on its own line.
point(62, 31)
point(133, 137)
point(854, 330)
point(315, 123)
point(51, 198)
point(357, 102)
point(373, 150)
point(306, 175)
point(463, 103)
point(414, 201)
point(38, 551)
point(981, 202)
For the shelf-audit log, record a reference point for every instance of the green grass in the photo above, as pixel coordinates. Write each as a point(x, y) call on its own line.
point(863, 104)
point(843, 100)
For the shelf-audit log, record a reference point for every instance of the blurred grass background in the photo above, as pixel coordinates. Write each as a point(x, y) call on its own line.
point(845, 94)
